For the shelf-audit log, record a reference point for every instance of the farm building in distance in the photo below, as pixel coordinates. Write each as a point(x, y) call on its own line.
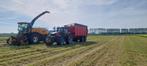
point(118, 31)
point(97, 31)
point(113, 31)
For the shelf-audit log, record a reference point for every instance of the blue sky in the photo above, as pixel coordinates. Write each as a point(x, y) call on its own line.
point(94, 13)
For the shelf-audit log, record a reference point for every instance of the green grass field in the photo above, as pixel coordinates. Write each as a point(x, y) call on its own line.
point(145, 36)
point(97, 51)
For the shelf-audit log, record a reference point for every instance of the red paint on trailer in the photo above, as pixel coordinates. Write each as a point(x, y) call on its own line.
point(78, 30)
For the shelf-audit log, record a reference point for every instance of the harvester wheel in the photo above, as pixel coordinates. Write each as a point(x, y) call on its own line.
point(34, 39)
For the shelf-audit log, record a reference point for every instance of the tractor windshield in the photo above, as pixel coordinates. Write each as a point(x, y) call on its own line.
point(22, 27)
point(62, 29)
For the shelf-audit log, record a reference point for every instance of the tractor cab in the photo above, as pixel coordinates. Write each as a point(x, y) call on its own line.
point(59, 30)
point(62, 29)
point(23, 27)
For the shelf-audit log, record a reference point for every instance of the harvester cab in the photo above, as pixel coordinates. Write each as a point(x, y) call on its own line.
point(23, 27)
point(27, 34)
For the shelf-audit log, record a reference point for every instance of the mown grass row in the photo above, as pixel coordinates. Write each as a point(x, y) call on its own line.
point(15, 50)
point(63, 56)
point(30, 50)
point(3, 40)
point(144, 35)
point(86, 60)
point(62, 61)
point(34, 52)
point(26, 55)
point(20, 55)
point(92, 58)
point(112, 56)
point(40, 55)
point(135, 51)
point(28, 59)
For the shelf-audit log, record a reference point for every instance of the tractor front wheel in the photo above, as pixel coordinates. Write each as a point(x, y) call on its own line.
point(48, 41)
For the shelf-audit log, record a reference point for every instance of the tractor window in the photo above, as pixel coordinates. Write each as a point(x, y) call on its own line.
point(22, 27)
point(62, 29)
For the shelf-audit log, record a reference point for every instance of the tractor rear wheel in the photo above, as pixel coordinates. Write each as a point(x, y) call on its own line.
point(60, 40)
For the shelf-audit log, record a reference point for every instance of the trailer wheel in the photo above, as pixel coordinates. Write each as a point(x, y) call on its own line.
point(69, 40)
point(82, 39)
point(85, 39)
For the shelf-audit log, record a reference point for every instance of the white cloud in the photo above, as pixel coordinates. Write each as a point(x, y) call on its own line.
point(105, 2)
point(96, 2)
point(63, 4)
point(67, 11)
point(61, 10)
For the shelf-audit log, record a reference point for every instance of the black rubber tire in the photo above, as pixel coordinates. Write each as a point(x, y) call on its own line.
point(11, 41)
point(69, 40)
point(85, 38)
point(82, 39)
point(34, 39)
point(75, 39)
point(60, 40)
point(48, 41)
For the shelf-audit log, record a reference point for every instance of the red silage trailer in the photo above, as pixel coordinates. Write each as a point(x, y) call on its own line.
point(78, 31)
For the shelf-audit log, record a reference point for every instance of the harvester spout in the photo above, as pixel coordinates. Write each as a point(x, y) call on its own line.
point(33, 21)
